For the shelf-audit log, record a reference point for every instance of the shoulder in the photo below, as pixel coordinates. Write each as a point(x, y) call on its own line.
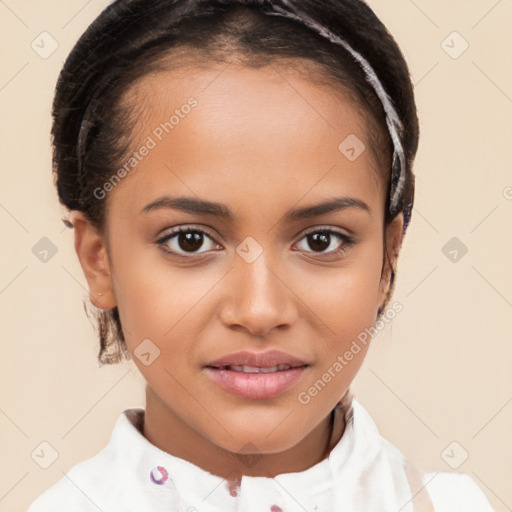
point(426, 490)
point(88, 485)
point(455, 491)
point(81, 489)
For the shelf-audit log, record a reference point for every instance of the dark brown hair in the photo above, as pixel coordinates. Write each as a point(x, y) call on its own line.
point(91, 125)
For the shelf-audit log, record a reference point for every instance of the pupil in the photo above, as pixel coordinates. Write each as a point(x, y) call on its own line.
point(320, 241)
point(190, 241)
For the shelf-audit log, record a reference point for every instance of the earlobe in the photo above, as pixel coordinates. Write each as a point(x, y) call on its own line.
point(92, 253)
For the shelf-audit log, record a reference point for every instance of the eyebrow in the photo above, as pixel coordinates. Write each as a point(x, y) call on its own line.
point(193, 205)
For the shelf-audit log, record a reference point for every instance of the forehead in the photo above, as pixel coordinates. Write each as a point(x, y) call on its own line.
point(270, 125)
point(298, 86)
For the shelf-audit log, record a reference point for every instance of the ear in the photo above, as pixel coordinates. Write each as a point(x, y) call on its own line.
point(393, 234)
point(91, 249)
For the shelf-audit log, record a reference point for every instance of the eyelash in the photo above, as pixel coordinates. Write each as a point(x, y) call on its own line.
point(348, 241)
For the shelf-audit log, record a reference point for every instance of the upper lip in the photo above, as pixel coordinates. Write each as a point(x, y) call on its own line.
point(257, 359)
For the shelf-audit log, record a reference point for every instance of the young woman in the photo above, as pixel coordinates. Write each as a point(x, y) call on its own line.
point(239, 179)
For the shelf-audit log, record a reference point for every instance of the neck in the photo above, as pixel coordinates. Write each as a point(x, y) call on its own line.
point(171, 434)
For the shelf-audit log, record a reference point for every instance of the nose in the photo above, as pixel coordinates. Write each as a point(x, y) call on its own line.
point(258, 299)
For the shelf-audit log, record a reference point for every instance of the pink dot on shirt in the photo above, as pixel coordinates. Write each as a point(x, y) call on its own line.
point(275, 508)
point(233, 487)
point(159, 475)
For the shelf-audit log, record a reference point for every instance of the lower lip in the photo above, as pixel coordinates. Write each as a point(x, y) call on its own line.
point(256, 385)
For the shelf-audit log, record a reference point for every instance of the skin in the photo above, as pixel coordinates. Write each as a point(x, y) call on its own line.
point(261, 147)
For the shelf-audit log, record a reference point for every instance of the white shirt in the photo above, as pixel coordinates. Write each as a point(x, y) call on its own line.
point(363, 473)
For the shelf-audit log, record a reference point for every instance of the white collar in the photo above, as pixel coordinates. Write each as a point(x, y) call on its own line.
point(336, 478)
point(363, 473)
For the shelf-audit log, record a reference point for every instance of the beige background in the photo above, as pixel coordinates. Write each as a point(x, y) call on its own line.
point(440, 373)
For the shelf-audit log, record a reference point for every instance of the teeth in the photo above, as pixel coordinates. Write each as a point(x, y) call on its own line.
point(251, 369)
point(269, 369)
point(256, 369)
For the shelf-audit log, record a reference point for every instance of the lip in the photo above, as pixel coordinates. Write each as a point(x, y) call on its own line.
point(258, 359)
point(256, 385)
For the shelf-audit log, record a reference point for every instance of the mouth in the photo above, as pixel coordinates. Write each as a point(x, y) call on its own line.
point(257, 369)
point(257, 362)
point(256, 375)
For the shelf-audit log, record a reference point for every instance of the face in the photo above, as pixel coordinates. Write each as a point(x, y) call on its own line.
point(258, 270)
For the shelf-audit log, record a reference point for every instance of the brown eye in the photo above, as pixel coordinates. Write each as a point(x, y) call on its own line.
point(320, 241)
point(191, 241)
point(187, 241)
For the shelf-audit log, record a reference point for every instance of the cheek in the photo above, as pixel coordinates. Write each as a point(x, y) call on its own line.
point(345, 301)
point(346, 298)
point(156, 298)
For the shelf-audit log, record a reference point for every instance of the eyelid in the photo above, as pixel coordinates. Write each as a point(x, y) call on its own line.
point(315, 229)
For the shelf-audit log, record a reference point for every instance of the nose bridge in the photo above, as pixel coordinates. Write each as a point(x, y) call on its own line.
point(259, 276)
point(258, 299)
